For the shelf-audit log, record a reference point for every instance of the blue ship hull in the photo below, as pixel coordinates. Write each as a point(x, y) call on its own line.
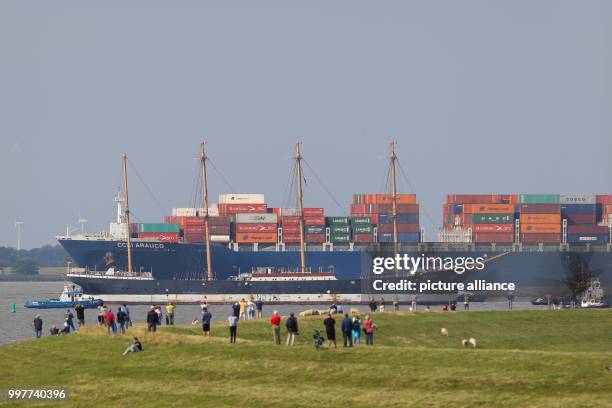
point(179, 269)
point(59, 304)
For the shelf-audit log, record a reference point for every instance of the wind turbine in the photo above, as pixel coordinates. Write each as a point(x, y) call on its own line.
point(18, 225)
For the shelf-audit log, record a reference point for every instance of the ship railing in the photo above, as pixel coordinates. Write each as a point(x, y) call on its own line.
point(108, 274)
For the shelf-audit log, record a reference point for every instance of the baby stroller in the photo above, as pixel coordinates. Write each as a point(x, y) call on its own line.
point(317, 339)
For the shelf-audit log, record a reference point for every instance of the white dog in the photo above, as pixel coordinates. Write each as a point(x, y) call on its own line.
point(444, 332)
point(470, 342)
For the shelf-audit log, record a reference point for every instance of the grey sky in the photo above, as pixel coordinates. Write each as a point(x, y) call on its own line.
point(481, 96)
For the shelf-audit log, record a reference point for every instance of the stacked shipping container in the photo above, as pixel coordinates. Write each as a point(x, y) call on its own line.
point(379, 209)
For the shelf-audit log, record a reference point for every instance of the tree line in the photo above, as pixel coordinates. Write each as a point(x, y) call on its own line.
point(27, 261)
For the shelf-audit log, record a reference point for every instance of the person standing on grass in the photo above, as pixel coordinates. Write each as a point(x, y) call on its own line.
point(382, 305)
point(259, 307)
point(330, 330)
point(347, 328)
point(373, 305)
point(109, 321)
point(69, 319)
point(152, 320)
point(236, 309)
point(356, 330)
point(510, 300)
point(275, 321)
point(80, 313)
point(127, 314)
point(243, 306)
point(121, 320)
point(101, 315)
point(466, 301)
point(250, 309)
point(38, 326)
point(396, 305)
point(292, 329)
point(233, 327)
point(368, 328)
point(206, 318)
point(158, 311)
point(170, 314)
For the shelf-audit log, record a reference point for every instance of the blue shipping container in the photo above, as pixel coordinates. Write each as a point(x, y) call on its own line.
point(578, 208)
point(404, 218)
point(401, 237)
point(587, 239)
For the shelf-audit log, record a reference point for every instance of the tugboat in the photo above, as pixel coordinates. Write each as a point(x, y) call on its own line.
point(70, 297)
point(593, 296)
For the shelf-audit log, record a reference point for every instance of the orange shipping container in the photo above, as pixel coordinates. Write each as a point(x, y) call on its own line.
point(487, 208)
point(388, 199)
point(540, 228)
point(541, 219)
point(252, 237)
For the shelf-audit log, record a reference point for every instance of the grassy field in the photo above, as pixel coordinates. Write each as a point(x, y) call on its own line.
point(523, 359)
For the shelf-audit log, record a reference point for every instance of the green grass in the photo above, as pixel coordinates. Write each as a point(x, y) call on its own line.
point(523, 359)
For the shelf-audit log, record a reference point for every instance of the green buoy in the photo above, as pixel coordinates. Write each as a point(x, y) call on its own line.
point(13, 308)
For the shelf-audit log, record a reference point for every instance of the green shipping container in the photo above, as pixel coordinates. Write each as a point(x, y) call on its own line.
point(493, 218)
point(158, 227)
point(339, 229)
point(362, 229)
point(340, 238)
point(360, 220)
point(538, 199)
point(337, 220)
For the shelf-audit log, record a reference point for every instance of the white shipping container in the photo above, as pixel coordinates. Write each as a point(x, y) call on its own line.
point(289, 212)
point(252, 218)
point(577, 199)
point(242, 199)
point(213, 211)
point(220, 238)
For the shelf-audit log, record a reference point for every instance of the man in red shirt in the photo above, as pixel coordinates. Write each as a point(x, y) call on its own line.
point(109, 321)
point(275, 321)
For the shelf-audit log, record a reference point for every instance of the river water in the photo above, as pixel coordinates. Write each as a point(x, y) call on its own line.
point(18, 325)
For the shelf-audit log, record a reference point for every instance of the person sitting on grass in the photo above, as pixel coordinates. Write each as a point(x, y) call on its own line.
point(65, 329)
point(135, 347)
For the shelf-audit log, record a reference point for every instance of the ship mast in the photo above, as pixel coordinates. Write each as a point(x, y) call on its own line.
point(127, 214)
point(205, 206)
point(298, 164)
point(393, 159)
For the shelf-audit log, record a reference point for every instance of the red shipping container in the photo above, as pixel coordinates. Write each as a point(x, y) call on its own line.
point(196, 238)
point(540, 208)
point(388, 208)
point(314, 220)
point(574, 219)
point(290, 220)
point(225, 209)
point(535, 218)
point(587, 229)
point(315, 238)
point(490, 237)
point(291, 238)
point(358, 208)
point(161, 236)
point(312, 212)
point(363, 238)
point(291, 229)
point(605, 199)
point(220, 220)
point(388, 228)
point(488, 208)
point(263, 227)
point(540, 238)
point(471, 198)
point(276, 210)
point(493, 228)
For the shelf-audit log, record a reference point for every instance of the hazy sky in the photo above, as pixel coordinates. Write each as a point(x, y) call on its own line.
point(481, 96)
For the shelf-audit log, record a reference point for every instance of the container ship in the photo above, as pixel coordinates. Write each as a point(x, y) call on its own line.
point(545, 244)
